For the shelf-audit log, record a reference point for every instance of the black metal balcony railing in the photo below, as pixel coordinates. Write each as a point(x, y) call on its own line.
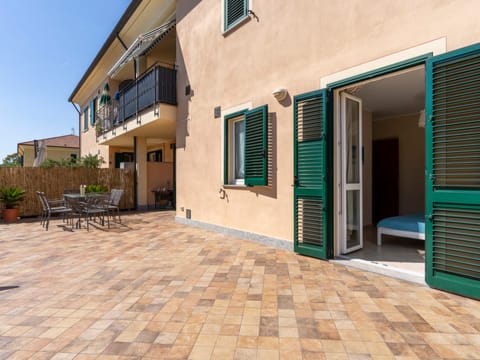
point(156, 86)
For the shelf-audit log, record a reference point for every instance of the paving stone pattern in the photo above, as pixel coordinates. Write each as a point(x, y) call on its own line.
point(155, 289)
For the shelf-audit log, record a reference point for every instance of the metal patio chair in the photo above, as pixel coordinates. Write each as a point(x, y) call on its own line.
point(49, 207)
point(113, 203)
point(95, 206)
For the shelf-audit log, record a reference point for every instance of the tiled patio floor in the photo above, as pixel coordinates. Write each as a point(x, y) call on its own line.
point(161, 290)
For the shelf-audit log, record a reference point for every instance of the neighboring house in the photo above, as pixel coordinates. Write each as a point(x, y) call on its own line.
point(54, 148)
point(303, 123)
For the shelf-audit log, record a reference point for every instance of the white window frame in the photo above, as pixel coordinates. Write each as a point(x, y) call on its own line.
point(232, 147)
point(224, 113)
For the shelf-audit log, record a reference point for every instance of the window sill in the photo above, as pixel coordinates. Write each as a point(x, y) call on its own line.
point(235, 186)
point(235, 26)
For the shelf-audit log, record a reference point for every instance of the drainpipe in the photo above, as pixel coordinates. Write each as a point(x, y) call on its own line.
point(79, 127)
point(117, 35)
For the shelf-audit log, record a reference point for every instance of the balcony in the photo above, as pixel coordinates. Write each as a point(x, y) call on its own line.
point(156, 86)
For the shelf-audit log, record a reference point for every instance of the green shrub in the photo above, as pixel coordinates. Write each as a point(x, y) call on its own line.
point(96, 188)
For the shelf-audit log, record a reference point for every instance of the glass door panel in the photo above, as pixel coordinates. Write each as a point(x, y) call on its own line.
point(353, 211)
point(352, 221)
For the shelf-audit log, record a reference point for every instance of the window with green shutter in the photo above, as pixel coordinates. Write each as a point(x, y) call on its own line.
point(93, 109)
point(85, 119)
point(234, 12)
point(245, 157)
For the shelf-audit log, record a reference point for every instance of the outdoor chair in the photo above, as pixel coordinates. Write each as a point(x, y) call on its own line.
point(113, 203)
point(50, 207)
point(95, 207)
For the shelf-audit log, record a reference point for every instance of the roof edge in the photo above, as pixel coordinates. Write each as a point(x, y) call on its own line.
point(120, 24)
point(49, 138)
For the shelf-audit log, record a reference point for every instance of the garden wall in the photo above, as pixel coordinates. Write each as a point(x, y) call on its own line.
point(53, 181)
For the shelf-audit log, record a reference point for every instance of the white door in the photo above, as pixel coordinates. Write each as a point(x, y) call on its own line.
point(352, 153)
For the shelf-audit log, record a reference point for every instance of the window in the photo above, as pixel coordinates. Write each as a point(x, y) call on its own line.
point(85, 119)
point(245, 157)
point(155, 156)
point(234, 12)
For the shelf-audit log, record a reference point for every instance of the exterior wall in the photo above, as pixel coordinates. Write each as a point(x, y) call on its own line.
point(28, 155)
point(411, 139)
point(293, 44)
point(53, 153)
point(88, 137)
point(160, 175)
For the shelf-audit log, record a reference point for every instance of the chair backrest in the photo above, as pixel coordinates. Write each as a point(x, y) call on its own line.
point(116, 196)
point(43, 200)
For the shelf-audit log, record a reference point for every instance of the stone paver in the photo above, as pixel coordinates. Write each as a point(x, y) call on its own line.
point(156, 289)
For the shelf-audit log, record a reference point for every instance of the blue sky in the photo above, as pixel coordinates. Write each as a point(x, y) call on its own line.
point(46, 47)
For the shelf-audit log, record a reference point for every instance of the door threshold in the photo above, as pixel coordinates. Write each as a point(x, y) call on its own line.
point(382, 269)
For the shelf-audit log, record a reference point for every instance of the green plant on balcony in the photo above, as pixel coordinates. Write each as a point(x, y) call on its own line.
point(98, 128)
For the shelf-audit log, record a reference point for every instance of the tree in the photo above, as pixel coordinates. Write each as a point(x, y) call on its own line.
point(12, 160)
point(91, 161)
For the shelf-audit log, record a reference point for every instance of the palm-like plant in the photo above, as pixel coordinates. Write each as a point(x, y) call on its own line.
point(11, 196)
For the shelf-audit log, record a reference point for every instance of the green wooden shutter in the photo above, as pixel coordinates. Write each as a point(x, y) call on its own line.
point(235, 11)
point(85, 118)
point(453, 171)
point(92, 112)
point(312, 220)
point(256, 146)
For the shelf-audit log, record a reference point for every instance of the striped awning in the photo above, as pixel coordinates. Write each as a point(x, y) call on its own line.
point(142, 45)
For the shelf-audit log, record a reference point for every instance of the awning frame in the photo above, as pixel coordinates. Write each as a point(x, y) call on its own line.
point(142, 45)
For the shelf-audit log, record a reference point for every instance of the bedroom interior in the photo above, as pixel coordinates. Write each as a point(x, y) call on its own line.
point(393, 155)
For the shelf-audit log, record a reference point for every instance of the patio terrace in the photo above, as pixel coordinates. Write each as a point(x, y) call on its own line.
point(156, 289)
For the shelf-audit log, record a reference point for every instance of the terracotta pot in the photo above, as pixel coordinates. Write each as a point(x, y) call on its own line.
point(10, 215)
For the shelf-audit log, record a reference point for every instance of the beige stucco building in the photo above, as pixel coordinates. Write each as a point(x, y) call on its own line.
point(55, 148)
point(304, 123)
point(127, 98)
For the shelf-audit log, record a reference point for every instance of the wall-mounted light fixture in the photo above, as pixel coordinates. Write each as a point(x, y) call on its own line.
point(280, 94)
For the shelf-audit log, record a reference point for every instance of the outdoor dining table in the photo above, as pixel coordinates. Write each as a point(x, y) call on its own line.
point(88, 205)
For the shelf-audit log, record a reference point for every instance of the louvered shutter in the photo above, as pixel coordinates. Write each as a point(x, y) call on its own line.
point(256, 146)
point(85, 119)
point(453, 171)
point(92, 112)
point(235, 10)
point(311, 183)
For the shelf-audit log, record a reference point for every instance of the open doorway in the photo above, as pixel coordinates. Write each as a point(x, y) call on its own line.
point(380, 136)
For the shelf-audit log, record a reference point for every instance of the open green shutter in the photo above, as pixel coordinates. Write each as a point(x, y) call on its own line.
point(311, 181)
point(85, 119)
point(92, 112)
point(256, 146)
point(235, 10)
point(453, 171)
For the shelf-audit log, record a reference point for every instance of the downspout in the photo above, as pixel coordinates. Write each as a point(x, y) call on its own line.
point(117, 35)
point(79, 127)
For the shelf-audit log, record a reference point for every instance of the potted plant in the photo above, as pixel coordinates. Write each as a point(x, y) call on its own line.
point(11, 196)
point(96, 188)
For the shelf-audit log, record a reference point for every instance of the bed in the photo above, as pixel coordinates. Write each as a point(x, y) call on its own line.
point(409, 226)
